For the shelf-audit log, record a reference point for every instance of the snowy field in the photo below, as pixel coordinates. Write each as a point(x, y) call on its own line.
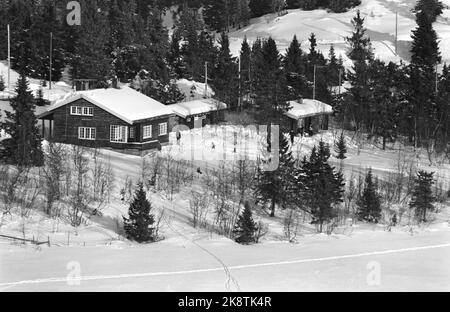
point(332, 28)
point(364, 262)
point(356, 257)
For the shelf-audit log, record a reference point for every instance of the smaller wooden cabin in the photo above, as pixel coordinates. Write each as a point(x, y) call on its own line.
point(199, 113)
point(308, 116)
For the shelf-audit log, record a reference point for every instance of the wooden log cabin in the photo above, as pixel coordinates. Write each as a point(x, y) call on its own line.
point(116, 118)
point(199, 113)
point(307, 116)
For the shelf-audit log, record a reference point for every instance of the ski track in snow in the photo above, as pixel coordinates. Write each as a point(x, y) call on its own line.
point(9, 285)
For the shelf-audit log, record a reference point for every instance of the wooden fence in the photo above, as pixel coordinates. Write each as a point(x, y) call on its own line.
point(33, 241)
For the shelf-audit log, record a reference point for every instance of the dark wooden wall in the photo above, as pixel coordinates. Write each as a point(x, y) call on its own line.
point(65, 128)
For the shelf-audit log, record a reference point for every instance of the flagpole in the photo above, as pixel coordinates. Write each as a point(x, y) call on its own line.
point(51, 59)
point(396, 33)
point(9, 59)
point(240, 68)
point(206, 79)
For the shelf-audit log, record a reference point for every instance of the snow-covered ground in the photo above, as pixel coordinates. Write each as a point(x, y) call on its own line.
point(194, 90)
point(332, 28)
point(370, 261)
point(357, 257)
point(58, 90)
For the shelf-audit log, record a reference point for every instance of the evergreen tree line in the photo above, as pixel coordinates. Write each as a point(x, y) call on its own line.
point(116, 38)
point(311, 185)
point(337, 6)
point(268, 79)
point(389, 100)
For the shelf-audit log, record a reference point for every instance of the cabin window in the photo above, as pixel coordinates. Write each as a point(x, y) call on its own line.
point(163, 129)
point(81, 111)
point(148, 132)
point(88, 111)
point(132, 133)
point(85, 133)
point(119, 134)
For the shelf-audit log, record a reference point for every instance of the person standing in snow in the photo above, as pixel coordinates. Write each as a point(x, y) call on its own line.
point(292, 134)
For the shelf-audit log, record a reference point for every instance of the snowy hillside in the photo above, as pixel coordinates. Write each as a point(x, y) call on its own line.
point(198, 260)
point(332, 28)
point(59, 89)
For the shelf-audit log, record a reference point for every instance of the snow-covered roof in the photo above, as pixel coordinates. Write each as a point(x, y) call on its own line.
point(308, 108)
point(4, 135)
point(197, 107)
point(194, 90)
point(124, 103)
point(6, 95)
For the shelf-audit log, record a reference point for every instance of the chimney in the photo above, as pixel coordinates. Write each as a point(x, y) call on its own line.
point(85, 84)
point(115, 83)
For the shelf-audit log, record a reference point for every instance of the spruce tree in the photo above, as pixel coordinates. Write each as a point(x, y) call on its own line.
point(45, 21)
point(422, 196)
point(360, 46)
point(369, 206)
point(422, 72)
point(216, 14)
point(359, 96)
point(174, 56)
point(341, 147)
point(333, 68)
point(226, 74)
point(25, 146)
point(431, 8)
point(270, 85)
point(121, 16)
point(274, 187)
point(260, 7)
point(40, 101)
point(197, 48)
point(24, 47)
point(320, 186)
point(316, 70)
point(245, 12)
point(90, 59)
point(245, 228)
point(389, 95)
point(294, 65)
point(245, 75)
point(2, 83)
point(443, 109)
point(138, 225)
point(256, 70)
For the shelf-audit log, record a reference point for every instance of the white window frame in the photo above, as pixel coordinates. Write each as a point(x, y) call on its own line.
point(146, 130)
point(87, 133)
point(119, 137)
point(164, 125)
point(82, 111)
point(88, 111)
